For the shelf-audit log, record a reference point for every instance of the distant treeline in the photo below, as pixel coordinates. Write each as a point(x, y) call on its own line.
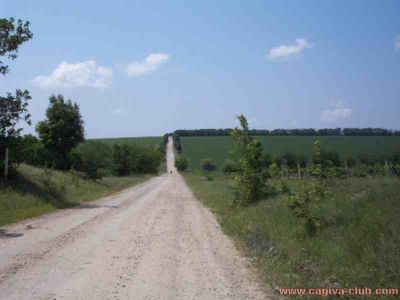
point(300, 132)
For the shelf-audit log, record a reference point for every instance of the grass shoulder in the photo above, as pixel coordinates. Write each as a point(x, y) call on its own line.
point(36, 191)
point(359, 248)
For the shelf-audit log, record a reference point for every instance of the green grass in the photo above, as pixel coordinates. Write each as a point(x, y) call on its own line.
point(360, 248)
point(32, 193)
point(218, 148)
point(153, 141)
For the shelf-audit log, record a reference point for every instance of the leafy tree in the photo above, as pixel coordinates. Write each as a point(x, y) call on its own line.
point(122, 159)
point(177, 142)
point(128, 159)
point(30, 150)
point(208, 165)
point(13, 109)
point(146, 160)
point(62, 131)
point(93, 158)
point(12, 35)
point(307, 204)
point(250, 179)
point(181, 163)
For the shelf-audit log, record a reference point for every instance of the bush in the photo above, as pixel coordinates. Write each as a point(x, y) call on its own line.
point(145, 159)
point(328, 159)
point(181, 163)
point(93, 158)
point(207, 165)
point(273, 170)
point(128, 159)
point(229, 167)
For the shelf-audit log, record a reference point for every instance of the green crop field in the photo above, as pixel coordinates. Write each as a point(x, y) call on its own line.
point(141, 141)
point(218, 148)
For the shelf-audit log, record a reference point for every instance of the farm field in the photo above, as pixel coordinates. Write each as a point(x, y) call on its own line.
point(197, 148)
point(141, 141)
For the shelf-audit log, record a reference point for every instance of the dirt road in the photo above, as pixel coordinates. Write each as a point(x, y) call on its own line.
point(152, 241)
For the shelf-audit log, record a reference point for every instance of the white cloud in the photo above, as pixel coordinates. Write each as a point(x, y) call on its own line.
point(150, 64)
point(119, 111)
point(80, 74)
point(288, 50)
point(338, 112)
point(397, 44)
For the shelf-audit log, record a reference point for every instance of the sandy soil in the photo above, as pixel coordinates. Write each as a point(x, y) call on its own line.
point(152, 241)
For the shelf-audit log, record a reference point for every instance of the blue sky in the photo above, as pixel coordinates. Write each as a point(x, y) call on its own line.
point(139, 68)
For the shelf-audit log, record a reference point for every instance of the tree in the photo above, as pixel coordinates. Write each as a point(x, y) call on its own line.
point(62, 131)
point(93, 158)
point(250, 178)
point(13, 109)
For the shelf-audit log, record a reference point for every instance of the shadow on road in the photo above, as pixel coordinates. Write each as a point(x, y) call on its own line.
point(4, 234)
point(92, 206)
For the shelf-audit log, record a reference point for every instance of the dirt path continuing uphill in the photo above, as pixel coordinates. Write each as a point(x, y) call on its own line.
point(152, 241)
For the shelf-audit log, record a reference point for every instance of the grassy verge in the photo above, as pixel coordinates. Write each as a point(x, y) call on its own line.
point(360, 248)
point(35, 192)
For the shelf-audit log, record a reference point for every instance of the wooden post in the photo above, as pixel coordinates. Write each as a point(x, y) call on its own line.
point(299, 170)
point(387, 168)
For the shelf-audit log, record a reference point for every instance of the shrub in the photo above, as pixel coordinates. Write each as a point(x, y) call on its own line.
point(145, 159)
point(93, 158)
point(229, 167)
point(128, 159)
point(273, 170)
point(207, 165)
point(308, 203)
point(328, 159)
point(181, 163)
point(250, 179)
point(122, 160)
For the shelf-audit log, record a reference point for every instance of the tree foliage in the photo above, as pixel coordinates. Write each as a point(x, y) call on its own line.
point(62, 130)
point(308, 203)
point(13, 109)
point(93, 158)
point(250, 178)
point(293, 132)
point(12, 35)
point(129, 159)
point(181, 163)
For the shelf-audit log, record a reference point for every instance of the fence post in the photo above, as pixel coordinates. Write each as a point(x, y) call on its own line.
point(299, 170)
point(387, 168)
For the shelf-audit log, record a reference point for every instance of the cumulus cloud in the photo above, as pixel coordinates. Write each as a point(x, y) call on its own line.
point(80, 74)
point(338, 112)
point(397, 44)
point(150, 64)
point(287, 50)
